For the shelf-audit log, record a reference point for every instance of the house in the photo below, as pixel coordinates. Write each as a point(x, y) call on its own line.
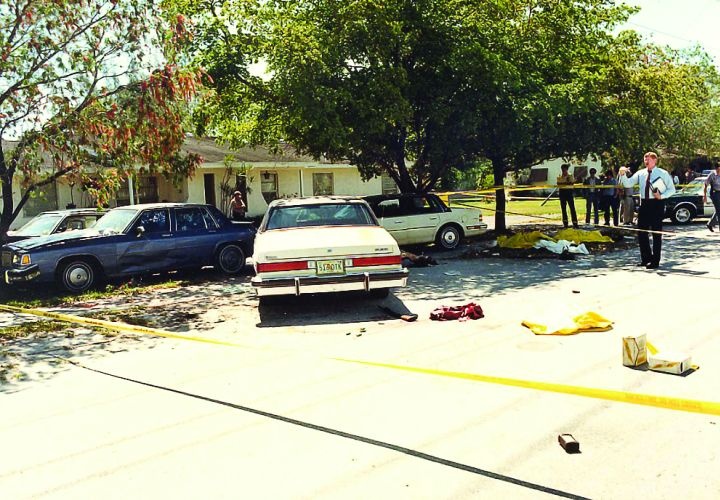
point(546, 173)
point(261, 175)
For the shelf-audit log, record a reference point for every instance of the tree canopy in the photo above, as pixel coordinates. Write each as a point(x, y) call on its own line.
point(411, 88)
point(86, 83)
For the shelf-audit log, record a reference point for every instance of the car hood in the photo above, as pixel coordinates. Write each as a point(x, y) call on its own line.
point(55, 239)
point(307, 242)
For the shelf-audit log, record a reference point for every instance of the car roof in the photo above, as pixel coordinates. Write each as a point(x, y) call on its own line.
point(315, 200)
point(74, 211)
point(143, 206)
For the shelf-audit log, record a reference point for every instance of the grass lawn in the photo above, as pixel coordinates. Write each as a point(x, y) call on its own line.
point(551, 208)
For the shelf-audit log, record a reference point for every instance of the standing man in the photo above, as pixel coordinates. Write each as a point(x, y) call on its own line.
point(713, 181)
point(609, 199)
point(655, 186)
point(625, 188)
point(565, 183)
point(592, 197)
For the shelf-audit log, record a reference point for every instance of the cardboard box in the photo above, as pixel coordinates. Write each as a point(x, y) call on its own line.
point(635, 350)
point(670, 362)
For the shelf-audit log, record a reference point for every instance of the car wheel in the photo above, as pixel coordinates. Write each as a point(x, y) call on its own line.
point(682, 215)
point(230, 259)
point(448, 237)
point(77, 276)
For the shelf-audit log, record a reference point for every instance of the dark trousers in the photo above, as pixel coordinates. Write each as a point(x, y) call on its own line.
point(608, 204)
point(650, 218)
point(715, 197)
point(567, 198)
point(592, 202)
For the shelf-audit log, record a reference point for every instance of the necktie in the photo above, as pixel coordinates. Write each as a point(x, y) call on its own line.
point(647, 187)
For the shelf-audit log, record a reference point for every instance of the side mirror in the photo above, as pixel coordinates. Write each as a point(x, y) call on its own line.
point(139, 231)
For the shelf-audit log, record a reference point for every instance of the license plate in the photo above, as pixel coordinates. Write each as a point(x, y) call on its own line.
point(330, 266)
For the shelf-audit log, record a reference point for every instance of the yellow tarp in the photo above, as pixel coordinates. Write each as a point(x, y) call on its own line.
point(578, 236)
point(522, 240)
point(586, 322)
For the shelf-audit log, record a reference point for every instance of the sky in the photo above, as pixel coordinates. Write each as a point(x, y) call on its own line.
point(679, 23)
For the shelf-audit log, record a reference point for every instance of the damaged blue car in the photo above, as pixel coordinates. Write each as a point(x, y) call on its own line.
point(131, 241)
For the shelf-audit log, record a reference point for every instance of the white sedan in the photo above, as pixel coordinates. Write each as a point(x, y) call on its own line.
point(423, 218)
point(324, 244)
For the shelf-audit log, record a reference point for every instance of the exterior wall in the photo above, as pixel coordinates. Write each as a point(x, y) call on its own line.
point(553, 168)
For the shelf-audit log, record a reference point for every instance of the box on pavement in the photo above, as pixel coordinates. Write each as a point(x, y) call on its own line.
point(670, 362)
point(635, 350)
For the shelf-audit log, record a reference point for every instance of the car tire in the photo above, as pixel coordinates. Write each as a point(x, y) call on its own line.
point(682, 214)
point(78, 276)
point(230, 259)
point(379, 293)
point(448, 238)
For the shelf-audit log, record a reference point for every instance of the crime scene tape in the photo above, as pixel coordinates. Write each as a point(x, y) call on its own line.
point(112, 325)
point(669, 403)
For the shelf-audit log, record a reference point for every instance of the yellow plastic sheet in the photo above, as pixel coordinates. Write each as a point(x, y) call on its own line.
point(578, 236)
point(522, 240)
point(586, 322)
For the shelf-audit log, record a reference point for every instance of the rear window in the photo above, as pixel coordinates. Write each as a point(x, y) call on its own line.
point(326, 214)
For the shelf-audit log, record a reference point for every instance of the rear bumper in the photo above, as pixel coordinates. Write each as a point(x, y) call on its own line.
point(21, 275)
point(304, 285)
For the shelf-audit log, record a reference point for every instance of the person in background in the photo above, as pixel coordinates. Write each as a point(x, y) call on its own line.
point(566, 192)
point(237, 206)
point(625, 190)
point(655, 186)
point(592, 198)
point(713, 182)
point(688, 175)
point(609, 199)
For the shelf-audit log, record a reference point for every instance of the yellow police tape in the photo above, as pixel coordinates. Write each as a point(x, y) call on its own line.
point(670, 403)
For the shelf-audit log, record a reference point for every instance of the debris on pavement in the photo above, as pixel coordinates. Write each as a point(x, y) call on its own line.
point(569, 443)
point(553, 325)
point(412, 260)
point(634, 350)
point(676, 363)
point(462, 313)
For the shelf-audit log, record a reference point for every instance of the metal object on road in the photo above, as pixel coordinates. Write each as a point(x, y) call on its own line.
point(569, 443)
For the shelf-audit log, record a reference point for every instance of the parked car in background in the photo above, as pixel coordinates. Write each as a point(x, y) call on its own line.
point(56, 221)
point(423, 218)
point(130, 241)
point(687, 204)
point(324, 244)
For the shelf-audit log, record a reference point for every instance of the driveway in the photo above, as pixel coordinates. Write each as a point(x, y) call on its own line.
point(292, 401)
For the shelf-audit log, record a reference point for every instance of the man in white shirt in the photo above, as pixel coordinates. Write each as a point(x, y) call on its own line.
point(655, 186)
point(625, 188)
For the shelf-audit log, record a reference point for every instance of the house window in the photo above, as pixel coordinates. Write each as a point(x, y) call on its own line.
point(579, 173)
point(145, 190)
point(45, 199)
point(322, 184)
point(269, 186)
point(538, 174)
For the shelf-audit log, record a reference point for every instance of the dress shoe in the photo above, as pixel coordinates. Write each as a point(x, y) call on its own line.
point(709, 226)
point(652, 265)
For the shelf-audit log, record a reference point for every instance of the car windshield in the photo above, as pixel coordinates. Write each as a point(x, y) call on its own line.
point(115, 221)
point(326, 214)
point(695, 187)
point(41, 225)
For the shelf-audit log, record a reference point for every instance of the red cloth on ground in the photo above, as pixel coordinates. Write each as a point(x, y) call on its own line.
point(462, 313)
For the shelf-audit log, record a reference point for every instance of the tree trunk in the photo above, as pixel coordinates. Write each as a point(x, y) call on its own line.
point(6, 217)
point(499, 180)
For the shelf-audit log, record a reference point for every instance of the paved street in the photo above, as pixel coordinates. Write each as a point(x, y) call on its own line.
point(287, 412)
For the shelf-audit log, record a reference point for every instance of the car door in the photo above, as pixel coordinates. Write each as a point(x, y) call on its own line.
point(195, 237)
point(150, 245)
point(422, 218)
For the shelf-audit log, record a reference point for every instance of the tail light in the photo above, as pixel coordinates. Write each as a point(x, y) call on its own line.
point(388, 260)
point(271, 267)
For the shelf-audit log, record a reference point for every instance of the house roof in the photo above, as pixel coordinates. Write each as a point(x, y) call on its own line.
point(215, 152)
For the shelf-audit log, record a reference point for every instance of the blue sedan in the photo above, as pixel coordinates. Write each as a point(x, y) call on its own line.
point(130, 241)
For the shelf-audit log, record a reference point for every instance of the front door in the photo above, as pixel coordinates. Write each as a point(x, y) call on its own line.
point(209, 180)
point(150, 250)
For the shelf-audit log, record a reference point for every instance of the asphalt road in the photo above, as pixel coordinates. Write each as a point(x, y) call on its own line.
point(283, 409)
